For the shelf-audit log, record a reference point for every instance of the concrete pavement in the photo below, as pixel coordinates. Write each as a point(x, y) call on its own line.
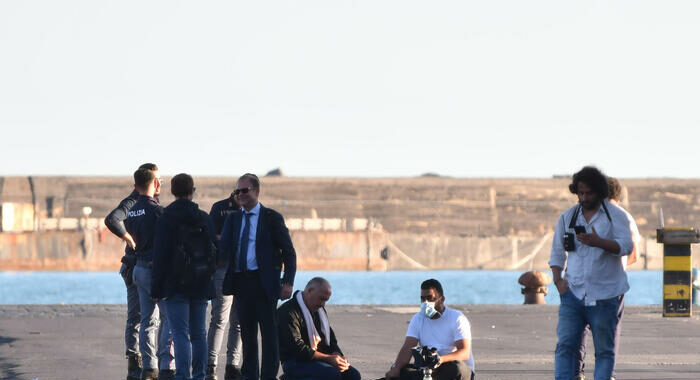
point(510, 342)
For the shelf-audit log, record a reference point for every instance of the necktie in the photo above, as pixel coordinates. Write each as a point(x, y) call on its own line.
point(243, 251)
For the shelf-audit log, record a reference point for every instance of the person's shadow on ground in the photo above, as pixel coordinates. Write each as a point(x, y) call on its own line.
point(7, 369)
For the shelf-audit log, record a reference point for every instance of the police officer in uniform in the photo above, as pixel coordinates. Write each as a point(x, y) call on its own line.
point(114, 222)
point(221, 311)
point(141, 225)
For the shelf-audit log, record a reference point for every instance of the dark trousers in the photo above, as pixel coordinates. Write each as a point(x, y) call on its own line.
point(256, 309)
point(133, 322)
point(455, 370)
point(317, 370)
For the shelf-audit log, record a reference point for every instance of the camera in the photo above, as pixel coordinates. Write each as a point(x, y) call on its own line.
point(569, 245)
point(426, 357)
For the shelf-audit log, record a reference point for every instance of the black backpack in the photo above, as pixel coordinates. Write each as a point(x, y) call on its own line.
point(195, 256)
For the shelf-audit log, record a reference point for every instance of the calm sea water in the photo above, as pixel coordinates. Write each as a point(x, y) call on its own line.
point(349, 288)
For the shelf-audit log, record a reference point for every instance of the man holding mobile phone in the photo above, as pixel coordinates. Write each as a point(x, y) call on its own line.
point(590, 240)
point(258, 245)
point(614, 196)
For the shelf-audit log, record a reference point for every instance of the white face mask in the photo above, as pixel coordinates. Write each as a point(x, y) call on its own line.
point(428, 309)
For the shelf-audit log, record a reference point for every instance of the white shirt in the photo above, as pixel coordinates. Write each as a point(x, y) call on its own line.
point(251, 261)
point(594, 274)
point(442, 333)
point(636, 236)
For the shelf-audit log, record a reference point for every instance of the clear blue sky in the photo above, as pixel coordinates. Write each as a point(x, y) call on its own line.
point(350, 88)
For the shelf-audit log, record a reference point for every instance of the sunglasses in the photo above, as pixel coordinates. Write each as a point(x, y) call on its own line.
point(244, 190)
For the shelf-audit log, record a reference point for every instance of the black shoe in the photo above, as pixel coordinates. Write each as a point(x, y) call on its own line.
point(149, 374)
point(211, 372)
point(134, 367)
point(232, 373)
point(166, 374)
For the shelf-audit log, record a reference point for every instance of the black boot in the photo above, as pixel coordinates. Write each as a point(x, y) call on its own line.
point(134, 367)
point(232, 373)
point(149, 374)
point(166, 374)
point(211, 372)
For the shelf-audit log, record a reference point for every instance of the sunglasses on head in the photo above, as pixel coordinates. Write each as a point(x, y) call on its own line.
point(244, 190)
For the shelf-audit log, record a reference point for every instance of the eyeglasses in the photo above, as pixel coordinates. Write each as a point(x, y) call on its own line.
point(244, 190)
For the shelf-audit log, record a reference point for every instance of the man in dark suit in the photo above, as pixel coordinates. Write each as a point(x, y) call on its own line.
point(257, 244)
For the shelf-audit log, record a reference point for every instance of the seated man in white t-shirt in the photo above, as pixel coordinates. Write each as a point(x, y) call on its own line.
point(437, 326)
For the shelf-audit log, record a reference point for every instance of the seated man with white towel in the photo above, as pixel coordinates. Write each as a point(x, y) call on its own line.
point(308, 347)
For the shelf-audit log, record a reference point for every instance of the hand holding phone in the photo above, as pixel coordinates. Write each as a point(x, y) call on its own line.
point(580, 229)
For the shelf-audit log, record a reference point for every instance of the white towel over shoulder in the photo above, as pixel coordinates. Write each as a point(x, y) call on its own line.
point(314, 336)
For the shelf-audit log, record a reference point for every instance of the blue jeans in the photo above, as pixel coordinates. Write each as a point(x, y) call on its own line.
point(581, 355)
point(187, 317)
point(573, 317)
point(152, 316)
point(317, 370)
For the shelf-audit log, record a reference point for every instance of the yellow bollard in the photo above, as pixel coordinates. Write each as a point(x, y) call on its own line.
point(678, 267)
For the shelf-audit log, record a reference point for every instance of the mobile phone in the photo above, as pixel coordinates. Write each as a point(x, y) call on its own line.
point(580, 229)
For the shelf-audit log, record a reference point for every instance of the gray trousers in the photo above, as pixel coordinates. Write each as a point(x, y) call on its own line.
point(222, 314)
point(152, 317)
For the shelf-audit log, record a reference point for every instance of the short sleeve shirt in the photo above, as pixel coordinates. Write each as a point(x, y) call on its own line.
point(442, 333)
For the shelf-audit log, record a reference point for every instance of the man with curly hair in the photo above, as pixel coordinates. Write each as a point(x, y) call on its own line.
point(590, 240)
point(615, 197)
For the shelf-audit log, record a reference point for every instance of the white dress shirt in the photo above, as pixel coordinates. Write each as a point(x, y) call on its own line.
point(594, 274)
point(251, 261)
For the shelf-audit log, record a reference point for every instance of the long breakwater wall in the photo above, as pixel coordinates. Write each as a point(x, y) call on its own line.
point(93, 250)
point(55, 223)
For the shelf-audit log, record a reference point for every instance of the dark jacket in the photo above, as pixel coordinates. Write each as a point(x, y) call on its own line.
point(141, 225)
point(164, 282)
point(294, 335)
point(114, 219)
point(219, 212)
point(273, 247)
